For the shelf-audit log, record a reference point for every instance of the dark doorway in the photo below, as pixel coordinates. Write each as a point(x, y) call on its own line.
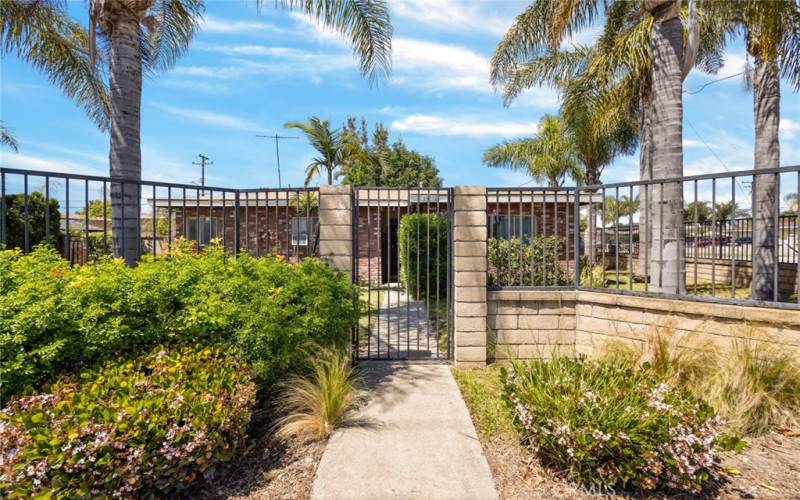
point(389, 252)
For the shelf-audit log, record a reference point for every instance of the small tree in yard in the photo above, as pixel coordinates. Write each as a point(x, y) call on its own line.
point(15, 220)
point(422, 252)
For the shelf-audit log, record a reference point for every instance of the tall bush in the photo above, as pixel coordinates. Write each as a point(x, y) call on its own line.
point(526, 262)
point(56, 318)
point(145, 427)
point(15, 220)
point(422, 253)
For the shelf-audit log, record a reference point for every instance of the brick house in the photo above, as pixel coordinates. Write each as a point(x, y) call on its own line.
point(286, 222)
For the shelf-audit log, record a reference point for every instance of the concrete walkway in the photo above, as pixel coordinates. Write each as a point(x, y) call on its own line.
point(401, 329)
point(414, 439)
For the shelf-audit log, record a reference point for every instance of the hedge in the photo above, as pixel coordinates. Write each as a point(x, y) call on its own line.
point(422, 251)
point(56, 318)
point(518, 262)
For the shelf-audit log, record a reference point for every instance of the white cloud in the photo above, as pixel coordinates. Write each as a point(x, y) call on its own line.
point(453, 15)
point(211, 24)
point(466, 126)
point(692, 143)
point(195, 84)
point(47, 163)
point(261, 60)
point(789, 128)
point(250, 50)
point(208, 117)
point(437, 66)
point(734, 63)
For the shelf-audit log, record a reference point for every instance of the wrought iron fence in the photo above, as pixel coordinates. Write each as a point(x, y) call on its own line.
point(86, 216)
point(728, 237)
point(402, 258)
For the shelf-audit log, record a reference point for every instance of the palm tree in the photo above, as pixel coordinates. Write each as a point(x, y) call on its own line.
point(549, 156)
point(7, 139)
point(327, 142)
point(148, 36)
point(772, 38)
point(622, 65)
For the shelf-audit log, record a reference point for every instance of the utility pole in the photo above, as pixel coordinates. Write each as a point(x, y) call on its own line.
point(277, 150)
point(204, 160)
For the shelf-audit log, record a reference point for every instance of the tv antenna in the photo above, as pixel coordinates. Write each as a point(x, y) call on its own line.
point(277, 150)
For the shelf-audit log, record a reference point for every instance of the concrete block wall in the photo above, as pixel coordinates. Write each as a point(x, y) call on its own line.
point(469, 276)
point(336, 226)
point(528, 324)
point(602, 317)
point(531, 323)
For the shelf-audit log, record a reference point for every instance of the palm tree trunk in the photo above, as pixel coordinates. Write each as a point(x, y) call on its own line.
point(645, 174)
point(330, 176)
point(121, 24)
point(766, 107)
point(667, 271)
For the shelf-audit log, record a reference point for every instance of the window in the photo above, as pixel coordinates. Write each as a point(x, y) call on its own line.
point(505, 226)
point(208, 229)
point(302, 227)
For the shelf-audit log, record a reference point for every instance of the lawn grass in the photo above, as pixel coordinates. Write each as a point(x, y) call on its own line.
point(704, 289)
point(481, 389)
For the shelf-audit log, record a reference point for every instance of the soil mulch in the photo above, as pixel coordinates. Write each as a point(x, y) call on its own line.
point(268, 468)
point(768, 468)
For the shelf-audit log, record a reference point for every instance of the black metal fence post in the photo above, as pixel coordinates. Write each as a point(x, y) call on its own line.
point(237, 230)
point(576, 221)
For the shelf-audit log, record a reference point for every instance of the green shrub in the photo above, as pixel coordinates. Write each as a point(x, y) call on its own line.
point(610, 426)
point(143, 427)
point(518, 262)
point(15, 220)
point(422, 252)
point(56, 318)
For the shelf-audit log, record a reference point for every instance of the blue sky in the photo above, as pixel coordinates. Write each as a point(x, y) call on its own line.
point(248, 73)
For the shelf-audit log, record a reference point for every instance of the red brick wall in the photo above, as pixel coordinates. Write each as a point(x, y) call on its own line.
point(263, 230)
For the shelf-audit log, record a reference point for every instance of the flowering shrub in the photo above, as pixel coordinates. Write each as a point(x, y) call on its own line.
point(55, 318)
point(147, 426)
point(610, 426)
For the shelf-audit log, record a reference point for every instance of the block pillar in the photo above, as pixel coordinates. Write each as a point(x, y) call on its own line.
point(336, 226)
point(469, 280)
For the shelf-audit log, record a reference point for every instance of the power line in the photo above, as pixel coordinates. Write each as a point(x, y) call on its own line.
point(738, 183)
point(277, 150)
point(700, 88)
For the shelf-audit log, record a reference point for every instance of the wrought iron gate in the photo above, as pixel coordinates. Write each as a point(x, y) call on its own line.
point(402, 262)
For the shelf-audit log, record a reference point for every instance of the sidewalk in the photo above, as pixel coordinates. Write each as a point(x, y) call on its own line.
point(414, 439)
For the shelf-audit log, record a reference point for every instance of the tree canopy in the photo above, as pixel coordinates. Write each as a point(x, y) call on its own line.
point(372, 161)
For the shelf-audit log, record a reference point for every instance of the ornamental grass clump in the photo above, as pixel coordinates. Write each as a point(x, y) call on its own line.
point(145, 427)
point(754, 384)
point(324, 399)
point(611, 427)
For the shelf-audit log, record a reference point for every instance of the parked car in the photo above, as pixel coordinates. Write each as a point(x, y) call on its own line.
point(744, 240)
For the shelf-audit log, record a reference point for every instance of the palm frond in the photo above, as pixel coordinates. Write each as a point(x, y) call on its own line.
point(42, 34)
point(549, 156)
point(7, 139)
point(365, 23)
point(171, 25)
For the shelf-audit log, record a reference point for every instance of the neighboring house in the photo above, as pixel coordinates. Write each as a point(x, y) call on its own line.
point(278, 222)
point(285, 223)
